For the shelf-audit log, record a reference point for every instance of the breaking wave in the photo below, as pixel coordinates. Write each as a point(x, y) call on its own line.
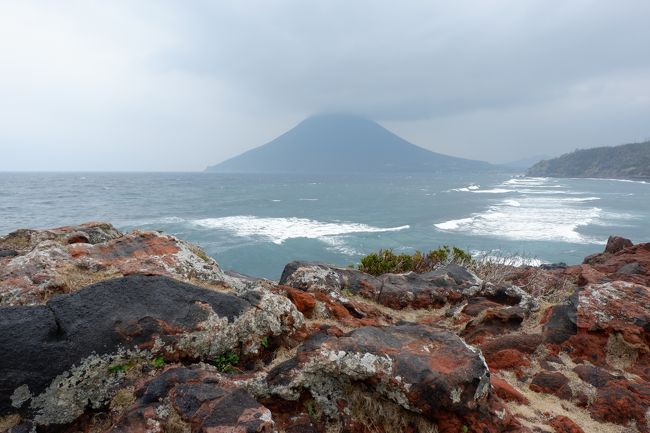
point(278, 230)
point(536, 209)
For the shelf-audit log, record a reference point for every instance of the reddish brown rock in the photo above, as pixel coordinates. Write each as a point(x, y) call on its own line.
point(525, 343)
point(416, 366)
point(494, 321)
point(616, 244)
point(304, 302)
point(62, 260)
point(509, 351)
point(506, 391)
point(616, 307)
point(197, 399)
point(593, 375)
point(621, 401)
point(507, 359)
point(477, 305)
point(552, 383)
point(631, 263)
point(563, 424)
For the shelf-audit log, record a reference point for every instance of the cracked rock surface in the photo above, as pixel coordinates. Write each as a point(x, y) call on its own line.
point(61, 354)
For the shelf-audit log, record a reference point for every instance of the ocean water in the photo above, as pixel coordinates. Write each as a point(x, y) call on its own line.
point(255, 224)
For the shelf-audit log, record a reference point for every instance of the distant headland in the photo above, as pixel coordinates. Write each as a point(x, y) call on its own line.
point(627, 161)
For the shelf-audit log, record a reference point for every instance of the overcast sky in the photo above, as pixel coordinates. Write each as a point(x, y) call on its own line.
point(164, 85)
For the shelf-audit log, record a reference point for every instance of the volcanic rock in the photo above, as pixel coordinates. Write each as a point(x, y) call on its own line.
point(448, 284)
point(418, 367)
point(195, 399)
point(63, 356)
point(61, 260)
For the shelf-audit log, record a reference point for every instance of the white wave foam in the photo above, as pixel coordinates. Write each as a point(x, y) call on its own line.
point(514, 203)
point(278, 230)
point(467, 188)
point(308, 199)
point(535, 219)
point(530, 181)
point(493, 191)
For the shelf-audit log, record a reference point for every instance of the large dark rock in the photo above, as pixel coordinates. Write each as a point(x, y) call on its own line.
point(421, 368)
point(82, 333)
point(447, 285)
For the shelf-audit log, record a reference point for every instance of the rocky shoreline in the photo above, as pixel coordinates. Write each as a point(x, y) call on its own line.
point(103, 331)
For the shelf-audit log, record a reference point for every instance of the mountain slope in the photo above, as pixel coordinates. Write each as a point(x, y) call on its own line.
point(342, 143)
point(628, 161)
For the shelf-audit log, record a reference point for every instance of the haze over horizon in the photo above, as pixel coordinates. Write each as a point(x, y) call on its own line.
point(173, 86)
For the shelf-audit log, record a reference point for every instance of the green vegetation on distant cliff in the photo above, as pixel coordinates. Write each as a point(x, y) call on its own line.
point(385, 261)
point(628, 161)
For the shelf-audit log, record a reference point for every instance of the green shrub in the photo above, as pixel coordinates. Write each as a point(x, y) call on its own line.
point(386, 261)
point(158, 362)
point(121, 368)
point(226, 361)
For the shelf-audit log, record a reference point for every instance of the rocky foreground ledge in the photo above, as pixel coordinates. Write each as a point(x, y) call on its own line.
point(102, 331)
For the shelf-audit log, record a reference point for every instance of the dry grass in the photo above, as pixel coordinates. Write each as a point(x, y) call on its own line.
point(217, 286)
point(508, 269)
point(9, 421)
point(544, 407)
point(175, 424)
point(382, 416)
point(122, 400)
point(18, 240)
point(75, 277)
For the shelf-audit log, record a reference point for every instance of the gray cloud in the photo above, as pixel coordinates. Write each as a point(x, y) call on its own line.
point(178, 85)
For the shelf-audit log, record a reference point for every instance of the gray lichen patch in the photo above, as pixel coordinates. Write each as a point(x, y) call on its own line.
point(20, 395)
point(273, 315)
point(90, 384)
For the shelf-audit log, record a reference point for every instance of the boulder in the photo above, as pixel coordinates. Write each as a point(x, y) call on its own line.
point(622, 402)
point(62, 260)
point(193, 399)
point(23, 240)
point(450, 284)
point(616, 244)
point(563, 424)
point(630, 263)
point(65, 355)
point(552, 383)
point(422, 369)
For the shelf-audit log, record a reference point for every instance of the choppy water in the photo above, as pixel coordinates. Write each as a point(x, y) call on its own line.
point(255, 224)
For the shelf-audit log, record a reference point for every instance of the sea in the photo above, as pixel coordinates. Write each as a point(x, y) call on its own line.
point(255, 224)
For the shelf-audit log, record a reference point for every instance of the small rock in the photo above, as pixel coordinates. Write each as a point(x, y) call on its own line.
point(616, 244)
point(552, 383)
point(563, 424)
